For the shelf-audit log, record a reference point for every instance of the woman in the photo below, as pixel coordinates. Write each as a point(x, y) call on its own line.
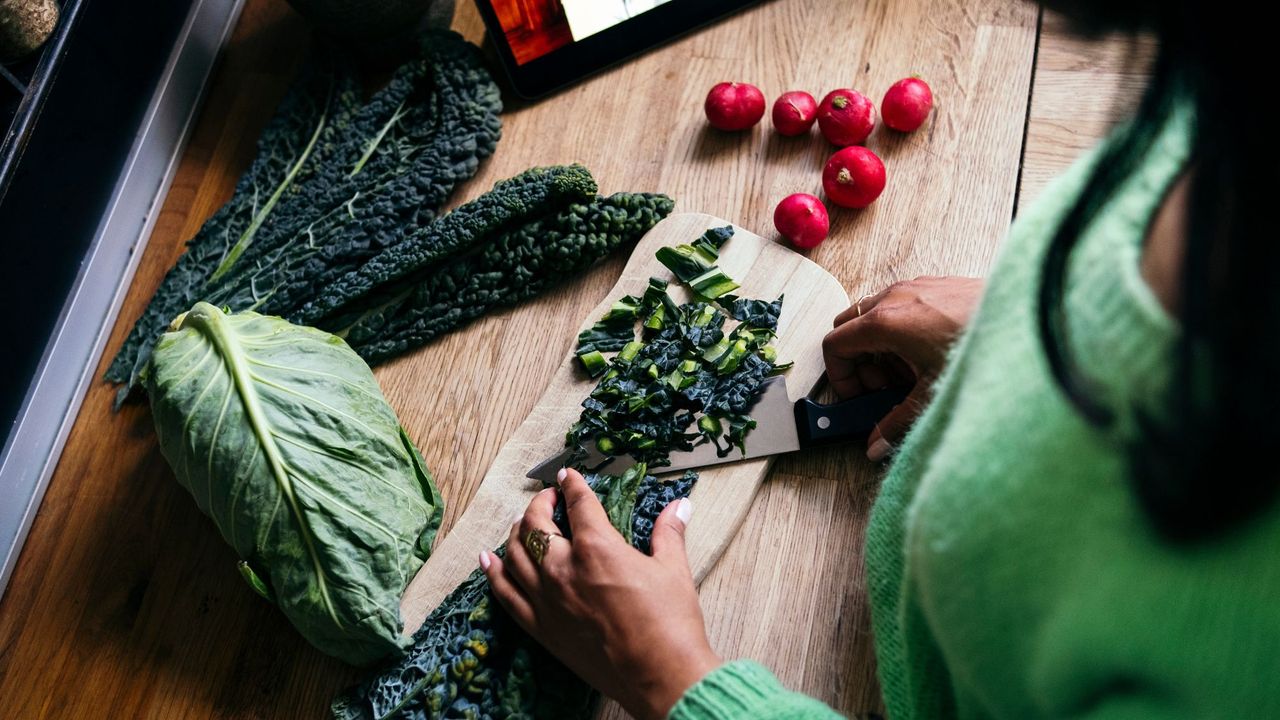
point(1059, 534)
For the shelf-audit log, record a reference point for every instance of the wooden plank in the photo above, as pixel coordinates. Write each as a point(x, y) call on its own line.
point(765, 270)
point(125, 601)
point(1082, 89)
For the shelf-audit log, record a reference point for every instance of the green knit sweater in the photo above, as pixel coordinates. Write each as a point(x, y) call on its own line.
point(1012, 574)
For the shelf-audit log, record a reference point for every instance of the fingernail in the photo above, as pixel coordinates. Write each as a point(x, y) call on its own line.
point(879, 450)
point(560, 476)
point(484, 560)
point(684, 510)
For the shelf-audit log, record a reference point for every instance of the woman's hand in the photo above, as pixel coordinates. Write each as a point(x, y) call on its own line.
point(898, 336)
point(627, 623)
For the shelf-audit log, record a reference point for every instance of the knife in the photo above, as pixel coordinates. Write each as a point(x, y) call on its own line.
point(781, 426)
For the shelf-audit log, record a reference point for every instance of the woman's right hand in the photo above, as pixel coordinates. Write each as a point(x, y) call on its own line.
point(898, 336)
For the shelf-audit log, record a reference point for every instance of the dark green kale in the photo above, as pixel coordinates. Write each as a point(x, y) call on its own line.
point(606, 337)
point(689, 382)
point(470, 660)
point(509, 263)
point(297, 141)
point(689, 261)
point(335, 182)
point(407, 149)
point(757, 313)
point(509, 205)
point(653, 496)
point(694, 264)
point(615, 329)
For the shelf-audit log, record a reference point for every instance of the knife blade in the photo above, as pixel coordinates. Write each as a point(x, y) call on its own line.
point(782, 426)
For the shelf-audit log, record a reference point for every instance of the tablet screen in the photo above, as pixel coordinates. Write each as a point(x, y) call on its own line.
point(547, 44)
point(534, 28)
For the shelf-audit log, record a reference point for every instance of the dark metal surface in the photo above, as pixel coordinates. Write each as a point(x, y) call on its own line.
point(61, 156)
point(82, 200)
point(27, 84)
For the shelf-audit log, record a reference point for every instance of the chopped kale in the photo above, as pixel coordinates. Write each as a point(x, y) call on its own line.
point(470, 660)
point(689, 381)
point(757, 313)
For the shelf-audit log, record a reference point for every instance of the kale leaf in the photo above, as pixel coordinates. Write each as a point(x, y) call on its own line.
point(297, 141)
point(470, 660)
point(508, 268)
point(335, 182)
point(442, 121)
point(510, 203)
point(757, 313)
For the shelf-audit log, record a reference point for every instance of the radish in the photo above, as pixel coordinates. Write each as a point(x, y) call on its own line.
point(802, 220)
point(734, 106)
point(794, 112)
point(907, 104)
point(846, 117)
point(853, 177)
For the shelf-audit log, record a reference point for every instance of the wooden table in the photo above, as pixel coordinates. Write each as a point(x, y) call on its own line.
point(126, 603)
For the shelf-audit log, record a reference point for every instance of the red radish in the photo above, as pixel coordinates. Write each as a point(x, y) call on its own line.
point(734, 106)
point(907, 104)
point(802, 219)
point(794, 112)
point(846, 117)
point(853, 177)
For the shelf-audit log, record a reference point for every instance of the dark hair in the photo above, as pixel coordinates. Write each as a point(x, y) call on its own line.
point(1201, 470)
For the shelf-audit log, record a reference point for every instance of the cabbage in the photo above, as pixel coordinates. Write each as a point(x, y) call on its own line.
point(284, 439)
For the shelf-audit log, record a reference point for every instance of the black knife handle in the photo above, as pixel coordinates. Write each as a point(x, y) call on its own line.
point(852, 419)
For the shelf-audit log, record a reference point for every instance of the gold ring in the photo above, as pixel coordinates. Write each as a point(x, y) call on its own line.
point(858, 303)
point(536, 541)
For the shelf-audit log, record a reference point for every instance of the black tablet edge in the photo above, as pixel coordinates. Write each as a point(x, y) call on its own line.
point(595, 53)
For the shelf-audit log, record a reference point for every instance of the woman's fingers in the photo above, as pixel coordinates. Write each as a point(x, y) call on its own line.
point(667, 542)
point(872, 375)
point(894, 426)
point(508, 595)
point(520, 566)
point(581, 504)
point(860, 307)
point(900, 373)
point(541, 511)
point(847, 348)
point(526, 570)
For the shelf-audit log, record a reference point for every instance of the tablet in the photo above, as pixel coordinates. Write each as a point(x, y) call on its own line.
point(547, 44)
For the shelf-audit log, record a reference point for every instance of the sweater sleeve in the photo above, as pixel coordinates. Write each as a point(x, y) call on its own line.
point(744, 690)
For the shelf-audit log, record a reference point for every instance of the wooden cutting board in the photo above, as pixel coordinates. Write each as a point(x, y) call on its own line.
point(723, 493)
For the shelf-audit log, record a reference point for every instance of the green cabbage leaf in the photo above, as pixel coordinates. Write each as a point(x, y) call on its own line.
point(284, 439)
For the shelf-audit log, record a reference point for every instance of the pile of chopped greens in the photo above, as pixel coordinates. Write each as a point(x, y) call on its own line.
point(687, 379)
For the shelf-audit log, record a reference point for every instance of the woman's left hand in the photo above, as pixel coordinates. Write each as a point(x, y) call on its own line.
point(627, 623)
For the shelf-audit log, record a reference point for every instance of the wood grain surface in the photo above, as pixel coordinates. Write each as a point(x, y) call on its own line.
point(724, 494)
point(126, 603)
point(1082, 89)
